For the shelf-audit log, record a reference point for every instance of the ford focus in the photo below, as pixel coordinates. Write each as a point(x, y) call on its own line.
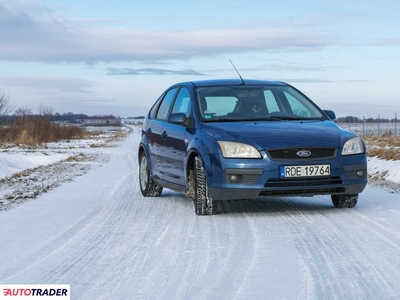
point(217, 140)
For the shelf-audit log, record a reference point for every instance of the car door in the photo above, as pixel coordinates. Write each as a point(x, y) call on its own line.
point(175, 139)
point(149, 127)
point(158, 152)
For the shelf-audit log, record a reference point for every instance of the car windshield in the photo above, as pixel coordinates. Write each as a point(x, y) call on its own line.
point(254, 103)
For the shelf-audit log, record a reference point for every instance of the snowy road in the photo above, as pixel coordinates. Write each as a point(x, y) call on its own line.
point(101, 236)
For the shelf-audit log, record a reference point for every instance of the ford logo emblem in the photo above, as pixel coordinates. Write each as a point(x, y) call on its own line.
point(304, 153)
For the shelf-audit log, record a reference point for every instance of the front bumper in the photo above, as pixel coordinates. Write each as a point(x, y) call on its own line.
point(260, 178)
point(246, 193)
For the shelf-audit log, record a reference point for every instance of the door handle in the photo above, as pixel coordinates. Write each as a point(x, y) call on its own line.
point(164, 134)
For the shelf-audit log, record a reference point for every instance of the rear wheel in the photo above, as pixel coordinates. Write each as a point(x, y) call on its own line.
point(146, 183)
point(343, 201)
point(205, 205)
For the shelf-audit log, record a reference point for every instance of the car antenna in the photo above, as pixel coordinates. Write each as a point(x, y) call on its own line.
point(237, 72)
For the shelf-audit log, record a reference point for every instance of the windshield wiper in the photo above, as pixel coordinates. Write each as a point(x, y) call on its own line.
point(264, 119)
point(279, 118)
point(223, 120)
point(247, 119)
point(270, 118)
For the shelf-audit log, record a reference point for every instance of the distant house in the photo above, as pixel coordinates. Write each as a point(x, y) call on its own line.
point(102, 121)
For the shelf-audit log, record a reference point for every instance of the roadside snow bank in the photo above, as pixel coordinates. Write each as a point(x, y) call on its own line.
point(384, 169)
point(14, 163)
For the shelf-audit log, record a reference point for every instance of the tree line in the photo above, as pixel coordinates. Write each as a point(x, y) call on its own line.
point(43, 111)
point(353, 119)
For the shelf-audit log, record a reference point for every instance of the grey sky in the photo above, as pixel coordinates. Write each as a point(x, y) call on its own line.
point(122, 55)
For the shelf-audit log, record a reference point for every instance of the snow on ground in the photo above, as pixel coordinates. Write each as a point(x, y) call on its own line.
point(14, 163)
point(384, 169)
point(16, 159)
point(99, 234)
point(26, 173)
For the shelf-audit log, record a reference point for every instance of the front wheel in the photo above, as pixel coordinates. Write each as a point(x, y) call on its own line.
point(343, 201)
point(146, 183)
point(205, 205)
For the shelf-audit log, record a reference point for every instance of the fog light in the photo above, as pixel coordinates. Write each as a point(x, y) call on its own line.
point(360, 173)
point(234, 178)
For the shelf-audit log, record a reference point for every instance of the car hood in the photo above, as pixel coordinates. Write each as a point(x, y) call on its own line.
point(277, 134)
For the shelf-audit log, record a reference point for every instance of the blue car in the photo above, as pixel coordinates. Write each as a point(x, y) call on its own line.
point(220, 140)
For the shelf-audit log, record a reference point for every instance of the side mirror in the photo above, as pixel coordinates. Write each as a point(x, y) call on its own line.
point(330, 114)
point(177, 118)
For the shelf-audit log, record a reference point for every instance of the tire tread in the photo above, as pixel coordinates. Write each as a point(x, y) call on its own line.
point(344, 201)
point(204, 204)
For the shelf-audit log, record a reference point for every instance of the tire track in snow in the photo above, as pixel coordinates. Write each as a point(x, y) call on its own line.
point(379, 248)
point(365, 255)
point(71, 251)
point(224, 272)
point(318, 243)
point(335, 255)
point(137, 260)
point(273, 235)
point(98, 233)
point(102, 231)
point(205, 265)
point(64, 240)
point(132, 256)
point(52, 245)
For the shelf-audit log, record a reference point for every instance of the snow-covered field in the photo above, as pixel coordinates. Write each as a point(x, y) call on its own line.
point(97, 233)
point(26, 173)
point(384, 169)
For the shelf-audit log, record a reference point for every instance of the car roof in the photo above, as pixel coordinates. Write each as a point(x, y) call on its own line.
point(222, 82)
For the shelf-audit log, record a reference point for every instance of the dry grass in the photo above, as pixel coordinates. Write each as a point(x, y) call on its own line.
point(382, 141)
point(34, 131)
point(387, 154)
point(385, 148)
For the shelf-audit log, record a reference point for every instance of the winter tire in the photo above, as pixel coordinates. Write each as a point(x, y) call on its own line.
point(204, 204)
point(343, 201)
point(146, 183)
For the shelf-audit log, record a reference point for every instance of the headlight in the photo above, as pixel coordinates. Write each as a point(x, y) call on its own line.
point(353, 146)
point(238, 150)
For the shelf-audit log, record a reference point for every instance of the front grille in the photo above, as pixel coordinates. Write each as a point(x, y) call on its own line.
point(303, 182)
point(291, 153)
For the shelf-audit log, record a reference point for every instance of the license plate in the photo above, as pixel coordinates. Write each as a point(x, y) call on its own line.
point(305, 171)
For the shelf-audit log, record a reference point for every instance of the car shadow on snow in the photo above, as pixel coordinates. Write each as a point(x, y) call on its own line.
point(278, 206)
point(271, 206)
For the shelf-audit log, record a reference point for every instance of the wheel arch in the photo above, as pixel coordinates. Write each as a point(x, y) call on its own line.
point(190, 164)
point(142, 149)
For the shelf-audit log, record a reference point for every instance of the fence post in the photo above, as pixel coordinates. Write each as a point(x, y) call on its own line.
point(363, 126)
point(395, 125)
point(379, 123)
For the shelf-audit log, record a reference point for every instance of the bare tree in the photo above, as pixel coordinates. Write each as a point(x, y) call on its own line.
point(5, 105)
point(46, 111)
point(23, 111)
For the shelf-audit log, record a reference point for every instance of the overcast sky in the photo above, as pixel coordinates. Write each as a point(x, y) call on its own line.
point(117, 57)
